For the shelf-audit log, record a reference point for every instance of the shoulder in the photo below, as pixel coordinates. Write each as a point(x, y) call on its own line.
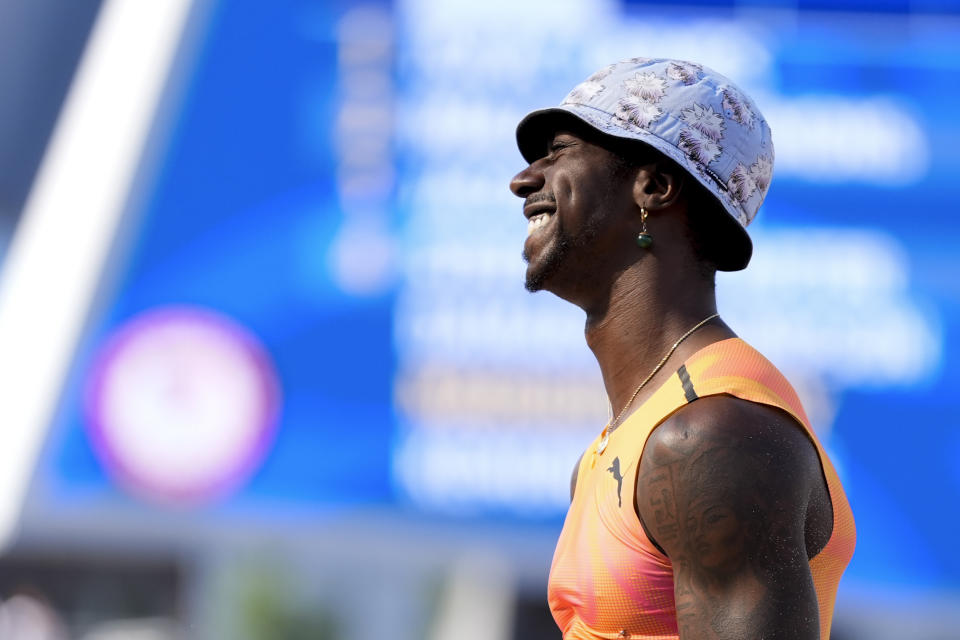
point(723, 488)
point(725, 453)
point(736, 428)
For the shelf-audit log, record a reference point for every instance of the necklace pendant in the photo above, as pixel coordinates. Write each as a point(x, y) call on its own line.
point(602, 445)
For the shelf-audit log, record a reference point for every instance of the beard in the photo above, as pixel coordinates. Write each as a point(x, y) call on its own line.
point(552, 258)
point(556, 254)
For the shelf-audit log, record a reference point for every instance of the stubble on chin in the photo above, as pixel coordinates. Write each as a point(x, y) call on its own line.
point(553, 256)
point(547, 264)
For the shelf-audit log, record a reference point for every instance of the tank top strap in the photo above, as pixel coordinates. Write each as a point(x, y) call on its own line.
point(733, 367)
point(730, 367)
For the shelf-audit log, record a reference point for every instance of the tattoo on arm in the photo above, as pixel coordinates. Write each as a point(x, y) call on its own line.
point(726, 506)
point(660, 487)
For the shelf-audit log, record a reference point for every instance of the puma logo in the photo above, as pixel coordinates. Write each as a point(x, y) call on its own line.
point(615, 470)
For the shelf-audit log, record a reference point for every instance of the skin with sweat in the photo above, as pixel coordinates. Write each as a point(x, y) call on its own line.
point(731, 491)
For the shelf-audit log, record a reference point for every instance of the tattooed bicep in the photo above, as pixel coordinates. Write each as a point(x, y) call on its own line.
point(722, 493)
point(720, 469)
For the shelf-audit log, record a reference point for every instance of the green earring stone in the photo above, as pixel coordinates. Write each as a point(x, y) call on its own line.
point(644, 240)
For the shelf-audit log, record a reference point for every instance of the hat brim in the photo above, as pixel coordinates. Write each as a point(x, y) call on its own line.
point(537, 128)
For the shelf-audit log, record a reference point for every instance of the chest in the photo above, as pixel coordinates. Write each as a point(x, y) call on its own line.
point(606, 576)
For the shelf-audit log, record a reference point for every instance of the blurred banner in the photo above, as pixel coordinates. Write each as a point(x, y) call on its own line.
point(312, 327)
point(852, 290)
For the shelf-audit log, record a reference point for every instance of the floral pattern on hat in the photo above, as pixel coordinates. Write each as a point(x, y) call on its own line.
point(698, 146)
point(737, 107)
point(602, 73)
point(762, 172)
point(583, 92)
point(589, 88)
point(744, 182)
point(646, 86)
point(705, 120)
point(685, 72)
point(741, 184)
point(636, 112)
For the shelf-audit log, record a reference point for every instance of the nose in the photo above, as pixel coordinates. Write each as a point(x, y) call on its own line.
point(528, 181)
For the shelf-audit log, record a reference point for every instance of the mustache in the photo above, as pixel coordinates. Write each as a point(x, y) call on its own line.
point(536, 198)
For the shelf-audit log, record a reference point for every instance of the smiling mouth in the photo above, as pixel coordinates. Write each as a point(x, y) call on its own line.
point(538, 221)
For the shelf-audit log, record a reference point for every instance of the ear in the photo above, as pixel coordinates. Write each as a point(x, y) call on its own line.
point(657, 186)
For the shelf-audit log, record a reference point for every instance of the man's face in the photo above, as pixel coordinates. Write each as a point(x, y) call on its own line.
point(568, 195)
point(719, 534)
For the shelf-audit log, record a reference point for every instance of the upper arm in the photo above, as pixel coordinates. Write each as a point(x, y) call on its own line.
point(722, 488)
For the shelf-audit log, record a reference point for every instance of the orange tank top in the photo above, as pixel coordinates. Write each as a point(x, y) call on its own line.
point(607, 579)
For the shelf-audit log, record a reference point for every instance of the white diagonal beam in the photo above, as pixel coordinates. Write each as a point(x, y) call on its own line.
point(58, 253)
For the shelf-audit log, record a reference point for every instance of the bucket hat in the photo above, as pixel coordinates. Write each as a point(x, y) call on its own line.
point(693, 115)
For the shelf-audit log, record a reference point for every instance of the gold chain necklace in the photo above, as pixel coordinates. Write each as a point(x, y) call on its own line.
point(607, 430)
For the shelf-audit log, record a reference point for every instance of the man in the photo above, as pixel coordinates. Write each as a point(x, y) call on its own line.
point(706, 508)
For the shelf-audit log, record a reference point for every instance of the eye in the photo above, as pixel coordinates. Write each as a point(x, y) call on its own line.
point(557, 145)
point(714, 518)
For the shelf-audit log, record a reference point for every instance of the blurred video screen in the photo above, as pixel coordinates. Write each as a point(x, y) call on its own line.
point(320, 302)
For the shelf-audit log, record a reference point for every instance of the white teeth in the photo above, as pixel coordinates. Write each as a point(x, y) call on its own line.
point(537, 221)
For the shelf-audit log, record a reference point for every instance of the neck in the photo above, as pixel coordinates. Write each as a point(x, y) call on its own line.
point(636, 326)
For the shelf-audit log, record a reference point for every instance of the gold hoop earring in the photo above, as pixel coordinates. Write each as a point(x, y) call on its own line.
point(644, 239)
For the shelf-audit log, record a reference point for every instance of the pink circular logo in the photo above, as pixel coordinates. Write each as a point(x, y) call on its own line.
point(182, 404)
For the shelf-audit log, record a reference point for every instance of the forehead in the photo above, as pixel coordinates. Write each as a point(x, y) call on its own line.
point(563, 136)
point(581, 136)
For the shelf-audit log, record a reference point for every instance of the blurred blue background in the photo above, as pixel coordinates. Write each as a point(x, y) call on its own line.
point(330, 184)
